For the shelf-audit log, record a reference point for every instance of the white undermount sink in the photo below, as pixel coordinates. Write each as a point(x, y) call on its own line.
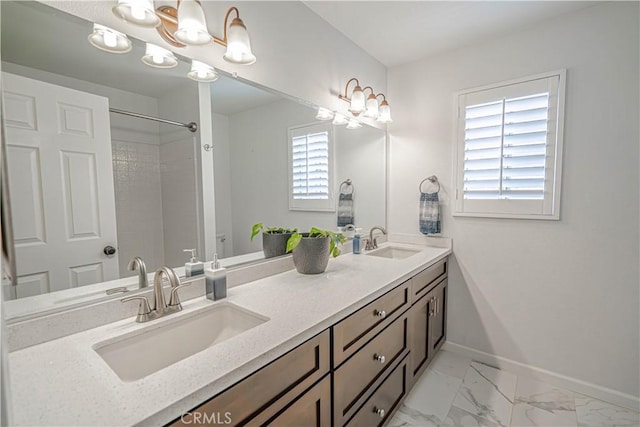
point(393, 252)
point(143, 352)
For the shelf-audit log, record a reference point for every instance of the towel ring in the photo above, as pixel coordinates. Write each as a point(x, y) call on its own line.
point(432, 179)
point(348, 183)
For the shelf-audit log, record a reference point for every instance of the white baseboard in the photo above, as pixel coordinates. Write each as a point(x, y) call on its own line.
point(588, 389)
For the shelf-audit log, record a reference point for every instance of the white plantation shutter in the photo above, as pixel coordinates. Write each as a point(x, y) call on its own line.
point(509, 148)
point(310, 168)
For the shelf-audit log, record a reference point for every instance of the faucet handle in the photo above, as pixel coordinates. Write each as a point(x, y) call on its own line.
point(144, 311)
point(174, 300)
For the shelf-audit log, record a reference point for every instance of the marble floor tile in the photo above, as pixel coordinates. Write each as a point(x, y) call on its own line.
point(409, 417)
point(433, 394)
point(488, 393)
point(460, 418)
point(593, 412)
point(450, 363)
point(525, 415)
point(540, 404)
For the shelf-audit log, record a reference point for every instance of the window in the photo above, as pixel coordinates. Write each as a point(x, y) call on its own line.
point(509, 149)
point(311, 168)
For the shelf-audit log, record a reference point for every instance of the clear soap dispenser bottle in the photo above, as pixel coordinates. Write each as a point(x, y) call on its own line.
point(193, 267)
point(216, 280)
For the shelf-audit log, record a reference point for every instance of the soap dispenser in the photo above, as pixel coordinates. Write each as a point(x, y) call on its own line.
point(193, 267)
point(216, 280)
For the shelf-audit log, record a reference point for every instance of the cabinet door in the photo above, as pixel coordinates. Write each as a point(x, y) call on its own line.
point(438, 324)
point(280, 382)
point(312, 409)
point(419, 345)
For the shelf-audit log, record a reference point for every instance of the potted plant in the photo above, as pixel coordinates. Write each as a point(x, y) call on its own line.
point(311, 250)
point(274, 239)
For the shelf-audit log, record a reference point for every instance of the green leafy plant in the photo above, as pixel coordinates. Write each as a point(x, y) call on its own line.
point(335, 240)
point(260, 228)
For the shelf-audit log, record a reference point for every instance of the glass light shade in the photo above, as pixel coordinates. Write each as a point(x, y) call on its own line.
point(357, 101)
point(340, 119)
point(159, 57)
point(385, 113)
point(192, 28)
point(238, 44)
point(324, 114)
point(353, 124)
point(371, 107)
point(202, 72)
point(109, 40)
point(137, 12)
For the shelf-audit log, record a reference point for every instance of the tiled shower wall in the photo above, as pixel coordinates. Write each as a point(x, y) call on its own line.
point(138, 193)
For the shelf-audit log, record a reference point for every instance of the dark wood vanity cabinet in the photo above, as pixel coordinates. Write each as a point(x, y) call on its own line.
point(427, 317)
point(356, 373)
point(266, 393)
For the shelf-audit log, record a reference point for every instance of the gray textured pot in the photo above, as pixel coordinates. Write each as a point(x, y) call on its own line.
point(274, 244)
point(311, 256)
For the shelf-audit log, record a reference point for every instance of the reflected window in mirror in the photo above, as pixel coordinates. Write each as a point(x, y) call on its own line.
point(311, 168)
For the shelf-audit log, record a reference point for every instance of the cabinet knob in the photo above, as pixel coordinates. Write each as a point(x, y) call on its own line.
point(379, 412)
point(109, 250)
point(379, 358)
point(380, 313)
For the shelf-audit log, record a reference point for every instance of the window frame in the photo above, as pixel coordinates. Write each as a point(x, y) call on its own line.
point(549, 207)
point(312, 205)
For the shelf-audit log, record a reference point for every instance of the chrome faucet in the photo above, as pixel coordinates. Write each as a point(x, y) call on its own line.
point(372, 243)
point(137, 262)
point(159, 308)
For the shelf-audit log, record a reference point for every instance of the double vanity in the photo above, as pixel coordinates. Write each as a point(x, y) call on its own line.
point(343, 347)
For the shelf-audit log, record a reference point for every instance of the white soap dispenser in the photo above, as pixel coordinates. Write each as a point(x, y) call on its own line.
point(215, 280)
point(193, 267)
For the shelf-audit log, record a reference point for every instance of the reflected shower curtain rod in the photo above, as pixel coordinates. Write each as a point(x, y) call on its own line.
point(192, 126)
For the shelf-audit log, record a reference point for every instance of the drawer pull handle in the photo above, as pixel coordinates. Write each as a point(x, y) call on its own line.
point(379, 358)
point(379, 412)
point(380, 313)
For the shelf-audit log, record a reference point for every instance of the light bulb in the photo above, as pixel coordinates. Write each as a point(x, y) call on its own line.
point(157, 58)
point(110, 39)
point(138, 12)
point(192, 35)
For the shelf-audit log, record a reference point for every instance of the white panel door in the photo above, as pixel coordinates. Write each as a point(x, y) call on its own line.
point(61, 183)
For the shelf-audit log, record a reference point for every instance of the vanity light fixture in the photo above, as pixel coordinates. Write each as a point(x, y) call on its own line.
point(371, 108)
point(354, 124)
point(104, 38)
point(371, 105)
point(357, 101)
point(385, 110)
point(186, 25)
point(192, 27)
point(138, 12)
point(340, 119)
point(159, 57)
point(202, 72)
point(324, 114)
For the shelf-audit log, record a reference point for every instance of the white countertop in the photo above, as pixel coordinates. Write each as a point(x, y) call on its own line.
point(65, 382)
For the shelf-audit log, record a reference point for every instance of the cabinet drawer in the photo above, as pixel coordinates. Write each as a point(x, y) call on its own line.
point(285, 378)
point(422, 282)
point(384, 401)
point(354, 379)
point(312, 409)
point(354, 331)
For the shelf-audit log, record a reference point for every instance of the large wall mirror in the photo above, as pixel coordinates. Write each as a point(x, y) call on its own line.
point(83, 178)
